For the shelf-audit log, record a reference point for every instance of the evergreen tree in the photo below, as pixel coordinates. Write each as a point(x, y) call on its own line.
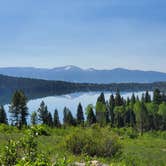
point(147, 97)
point(34, 118)
point(163, 97)
point(101, 110)
point(118, 99)
point(56, 119)
point(112, 106)
point(141, 116)
point(80, 115)
point(154, 120)
point(43, 113)
point(49, 120)
point(129, 117)
point(107, 113)
point(119, 116)
point(18, 108)
point(91, 118)
point(128, 101)
point(65, 115)
point(101, 98)
point(143, 97)
point(3, 116)
point(133, 99)
point(101, 113)
point(157, 96)
point(68, 117)
point(162, 113)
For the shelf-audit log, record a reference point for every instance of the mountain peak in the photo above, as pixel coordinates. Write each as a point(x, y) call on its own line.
point(70, 67)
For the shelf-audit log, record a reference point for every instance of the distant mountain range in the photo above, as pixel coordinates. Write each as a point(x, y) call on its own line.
point(75, 74)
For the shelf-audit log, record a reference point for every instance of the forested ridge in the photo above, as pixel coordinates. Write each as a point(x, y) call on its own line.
point(37, 88)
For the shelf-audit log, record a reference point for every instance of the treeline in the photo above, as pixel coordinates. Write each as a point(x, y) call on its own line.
point(143, 114)
point(35, 88)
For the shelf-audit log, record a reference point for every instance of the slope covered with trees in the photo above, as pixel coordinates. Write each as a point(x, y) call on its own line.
point(38, 88)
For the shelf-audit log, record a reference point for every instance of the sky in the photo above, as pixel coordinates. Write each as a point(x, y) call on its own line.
point(103, 34)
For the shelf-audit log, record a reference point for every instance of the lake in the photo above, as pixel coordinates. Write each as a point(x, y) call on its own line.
point(71, 101)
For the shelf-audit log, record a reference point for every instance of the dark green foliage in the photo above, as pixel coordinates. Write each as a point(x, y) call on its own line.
point(107, 113)
point(56, 119)
point(80, 115)
point(163, 97)
point(154, 120)
point(112, 106)
point(133, 99)
point(101, 113)
point(118, 99)
point(44, 115)
point(101, 110)
point(3, 116)
point(157, 96)
point(141, 116)
point(34, 118)
point(143, 98)
point(91, 118)
point(101, 98)
point(119, 116)
point(18, 109)
point(147, 97)
point(129, 117)
point(162, 113)
point(49, 120)
point(68, 117)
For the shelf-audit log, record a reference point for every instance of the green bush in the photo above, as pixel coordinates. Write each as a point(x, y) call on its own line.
point(23, 152)
point(126, 132)
point(93, 142)
point(8, 129)
point(40, 130)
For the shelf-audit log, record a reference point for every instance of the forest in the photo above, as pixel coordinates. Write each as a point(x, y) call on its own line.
point(119, 122)
point(35, 88)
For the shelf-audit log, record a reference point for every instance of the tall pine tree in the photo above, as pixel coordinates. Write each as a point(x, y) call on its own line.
point(3, 116)
point(18, 109)
point(56, 119)
point(80, 115)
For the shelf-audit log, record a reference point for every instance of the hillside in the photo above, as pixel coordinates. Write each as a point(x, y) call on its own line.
point(39, 88)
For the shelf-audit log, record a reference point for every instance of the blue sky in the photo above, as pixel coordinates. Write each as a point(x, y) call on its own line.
point(87, 33)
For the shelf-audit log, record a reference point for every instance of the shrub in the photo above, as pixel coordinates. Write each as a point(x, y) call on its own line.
point(40, 130)
point(126, 132)
point(23, 152)
point(8, 129)
point(93, 142)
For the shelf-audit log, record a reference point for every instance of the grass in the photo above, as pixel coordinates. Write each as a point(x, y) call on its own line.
point(146, 150)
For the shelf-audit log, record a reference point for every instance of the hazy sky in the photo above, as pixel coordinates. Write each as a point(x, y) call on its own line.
point(86, 33)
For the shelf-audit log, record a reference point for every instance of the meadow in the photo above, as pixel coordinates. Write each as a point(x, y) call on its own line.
point(149, 149)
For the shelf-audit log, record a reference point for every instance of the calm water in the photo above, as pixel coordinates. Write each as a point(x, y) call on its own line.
point(71, 101)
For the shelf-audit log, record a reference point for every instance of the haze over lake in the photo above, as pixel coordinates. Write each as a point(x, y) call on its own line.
point(71, 101)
